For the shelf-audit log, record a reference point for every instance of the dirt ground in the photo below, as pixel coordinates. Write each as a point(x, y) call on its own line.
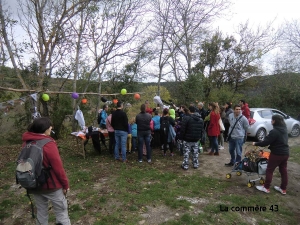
point(213, 166)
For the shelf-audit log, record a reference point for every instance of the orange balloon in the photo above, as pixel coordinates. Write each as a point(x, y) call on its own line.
point(84, 101)
point(137, 96)
point(115, 101)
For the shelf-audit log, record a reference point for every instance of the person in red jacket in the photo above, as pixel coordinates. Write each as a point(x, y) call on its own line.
point(245, 109)
point(148, 109)
point(213, 130)
point(56, 187)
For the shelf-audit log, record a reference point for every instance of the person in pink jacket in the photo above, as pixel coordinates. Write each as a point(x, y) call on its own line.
point(56, 187)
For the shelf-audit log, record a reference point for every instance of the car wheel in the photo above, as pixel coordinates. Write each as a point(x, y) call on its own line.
point(295, 131)
point(261, 134)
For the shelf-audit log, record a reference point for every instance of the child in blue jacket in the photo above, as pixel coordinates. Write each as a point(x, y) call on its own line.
point(133, 127)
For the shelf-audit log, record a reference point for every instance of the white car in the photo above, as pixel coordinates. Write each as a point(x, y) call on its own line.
point(260, 123)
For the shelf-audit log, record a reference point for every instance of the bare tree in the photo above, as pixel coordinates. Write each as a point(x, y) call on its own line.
point(161, 34)
point(291, 36)
point(6, 23)
point(192, 18)
point(287, 59)
point(111, 31)
point(44, 22)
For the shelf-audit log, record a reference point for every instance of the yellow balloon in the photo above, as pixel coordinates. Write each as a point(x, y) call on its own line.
point(123, 91)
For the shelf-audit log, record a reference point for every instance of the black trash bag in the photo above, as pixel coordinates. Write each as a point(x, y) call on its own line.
point(249, 166)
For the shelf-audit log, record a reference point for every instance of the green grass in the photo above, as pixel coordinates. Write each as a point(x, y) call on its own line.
point(109, 192)
point(295, 154)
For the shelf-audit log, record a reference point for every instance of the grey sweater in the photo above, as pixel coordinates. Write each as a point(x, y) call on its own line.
point(240, 128)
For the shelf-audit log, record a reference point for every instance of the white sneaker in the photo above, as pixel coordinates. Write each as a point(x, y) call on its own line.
point(149, 160)
point(280, 190)
point(221, 147)
point(263, 189)
point(140, 161)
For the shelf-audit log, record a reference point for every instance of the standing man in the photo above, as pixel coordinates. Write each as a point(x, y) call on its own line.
point(193, 105)
point(201, 110)
point(237, 131)
point(228, 111)
point(119, 122)
point(143, 120)
point(190, 133)
point(245, 109)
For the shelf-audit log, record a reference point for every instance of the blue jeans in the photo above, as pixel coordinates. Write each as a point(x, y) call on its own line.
point(121, 139)
point(144, 136)
point(214, 144)
point(235, 149)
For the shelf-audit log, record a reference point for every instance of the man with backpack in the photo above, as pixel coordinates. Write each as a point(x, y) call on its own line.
point(40, 171)
point(190, 133)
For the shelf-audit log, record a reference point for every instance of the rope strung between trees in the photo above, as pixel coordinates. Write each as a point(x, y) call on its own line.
point(64, 92)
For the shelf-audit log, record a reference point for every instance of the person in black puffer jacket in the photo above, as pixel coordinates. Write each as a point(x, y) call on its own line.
point(190, 133)
point(278, 144)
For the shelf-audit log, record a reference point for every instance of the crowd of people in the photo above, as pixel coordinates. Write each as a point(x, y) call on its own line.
point(188, 127)
point(172, 127)
point(163, 128)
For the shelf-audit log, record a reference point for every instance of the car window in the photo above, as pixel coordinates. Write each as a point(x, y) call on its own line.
point(251, 114)
point(275, 112)
point(267, 114)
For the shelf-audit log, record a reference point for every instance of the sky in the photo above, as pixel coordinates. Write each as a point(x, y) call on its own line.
point(259, 12)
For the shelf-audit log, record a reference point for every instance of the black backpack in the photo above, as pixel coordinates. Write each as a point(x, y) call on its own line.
point(165, 124)
point(30, 173)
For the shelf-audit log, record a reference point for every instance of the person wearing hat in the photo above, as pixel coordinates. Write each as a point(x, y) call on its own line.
point(172, 113)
